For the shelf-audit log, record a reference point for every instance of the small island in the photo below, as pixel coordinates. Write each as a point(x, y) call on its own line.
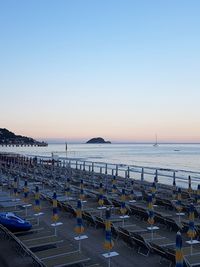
point(97, 140)
point(8, 138)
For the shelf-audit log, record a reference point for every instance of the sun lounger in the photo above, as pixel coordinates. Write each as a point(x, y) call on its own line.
point(192, 260)
point(45, 241)
point(54, 252)
point(66, 260)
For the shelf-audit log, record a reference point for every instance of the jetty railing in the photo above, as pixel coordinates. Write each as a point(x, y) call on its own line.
point(143, 173)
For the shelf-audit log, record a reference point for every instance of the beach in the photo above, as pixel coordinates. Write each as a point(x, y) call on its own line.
point(128, 202)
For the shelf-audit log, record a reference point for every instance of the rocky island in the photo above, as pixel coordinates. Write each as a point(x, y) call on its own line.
point(8, 138)
point(97, 140)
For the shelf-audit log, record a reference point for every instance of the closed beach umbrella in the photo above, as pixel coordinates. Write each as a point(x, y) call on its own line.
point(198, 194)
point(189, 185)
point(179, 253)
point(150, 210)
point(178, 202)
point(191, 231)
point(37, 206)
point(82, 196)
point(123, 195)
point(79, 229)
point(114, 188)
point(174, 187)
point(15, 186)
point(26, 190)
point(108, 244)
point(101, 200)
point(55, 208)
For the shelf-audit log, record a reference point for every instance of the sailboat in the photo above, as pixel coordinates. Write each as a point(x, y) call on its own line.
point(156, 142)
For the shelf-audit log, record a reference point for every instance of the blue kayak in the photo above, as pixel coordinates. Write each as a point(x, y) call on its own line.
point(13, 222)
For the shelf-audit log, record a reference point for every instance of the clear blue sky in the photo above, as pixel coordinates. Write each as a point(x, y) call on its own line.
point(124, 70)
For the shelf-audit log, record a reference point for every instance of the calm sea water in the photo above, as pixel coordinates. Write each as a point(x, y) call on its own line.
point(175, 156)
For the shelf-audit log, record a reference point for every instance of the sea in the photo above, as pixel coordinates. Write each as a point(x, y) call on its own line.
point(172, 156)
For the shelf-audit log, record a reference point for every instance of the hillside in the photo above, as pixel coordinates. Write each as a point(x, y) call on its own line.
point(9, 138)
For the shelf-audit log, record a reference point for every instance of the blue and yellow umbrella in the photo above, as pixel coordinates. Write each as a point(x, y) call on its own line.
point(189, 185)
point(82, 196)
point(26, 191)
point(191, 231)
point(37, 206)
point(179, 253)
point(79, 229)
point(15, 187)
point(101, 189)
point(178, 202)
point(108, 244)
point(55, 208)
point(174, 188)
point(198, 194)
point(150, 210)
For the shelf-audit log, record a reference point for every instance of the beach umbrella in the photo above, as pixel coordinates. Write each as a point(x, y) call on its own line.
point(123, 195)
point(108, 244)
point(191, 231)
point(178, 202)
point(153, 192)
point(198, 194)
point(156, 176)
point(174, 186)
point(26, 191)
point(150, 210)
point(15, 187)
point(82, 196)
point(189, 185)
point(179, 253)
point(79, 229)
point(55, 208)
point(37, 206)
point(114, 188)
point(101, 200)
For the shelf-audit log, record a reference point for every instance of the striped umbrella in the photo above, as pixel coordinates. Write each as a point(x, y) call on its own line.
point(82, 196)
point(191, 231)
point(153, 192)
point(15, 187)
point(189, 185)
point(37, 206)
point(108, 244)
point(178, 202)
point(67, 188)
point(179, 253)
point(123, 205)
point(114, 188)
point(150, 211)
point(55, 208)
point(198, 194)
point(174, 187)
point(79, 229)
point(26, 191)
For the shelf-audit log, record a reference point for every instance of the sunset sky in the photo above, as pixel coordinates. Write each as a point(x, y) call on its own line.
point(123, 70)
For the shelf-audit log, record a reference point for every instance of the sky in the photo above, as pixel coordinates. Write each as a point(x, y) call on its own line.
point(123, 70)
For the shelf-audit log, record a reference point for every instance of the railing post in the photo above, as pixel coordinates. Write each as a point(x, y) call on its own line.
point(128, 173)
point(76, 164)
point(142, 175)
point(106, 168)
point(84, 166)
point(92, 166)
point(116, 173)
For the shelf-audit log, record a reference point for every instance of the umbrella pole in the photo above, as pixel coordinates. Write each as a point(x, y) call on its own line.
point(109, 262)
point(79, 244)
point(191, 248)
